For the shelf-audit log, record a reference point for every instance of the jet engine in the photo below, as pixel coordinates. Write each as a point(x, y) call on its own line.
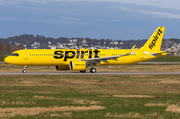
point(78, 65)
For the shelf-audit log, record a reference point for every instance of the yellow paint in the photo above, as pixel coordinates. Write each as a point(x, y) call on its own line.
point(32, 57)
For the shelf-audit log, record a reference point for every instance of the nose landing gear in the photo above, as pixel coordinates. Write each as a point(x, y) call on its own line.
point(24, 69)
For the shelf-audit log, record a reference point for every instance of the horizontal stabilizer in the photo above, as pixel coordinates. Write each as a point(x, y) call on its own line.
point(159, 53)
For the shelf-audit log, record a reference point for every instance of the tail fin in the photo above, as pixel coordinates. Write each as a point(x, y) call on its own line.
point(154, 42)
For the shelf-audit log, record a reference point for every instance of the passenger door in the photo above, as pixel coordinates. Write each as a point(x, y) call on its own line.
point(25, 55)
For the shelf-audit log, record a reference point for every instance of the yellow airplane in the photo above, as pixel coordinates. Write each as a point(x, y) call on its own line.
point(80, 59)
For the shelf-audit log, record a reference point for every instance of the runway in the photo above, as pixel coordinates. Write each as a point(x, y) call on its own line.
point(88, 73)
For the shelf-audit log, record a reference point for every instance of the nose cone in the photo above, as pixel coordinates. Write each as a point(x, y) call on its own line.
point(8, 60)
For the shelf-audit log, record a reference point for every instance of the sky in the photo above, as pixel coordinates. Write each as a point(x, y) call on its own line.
point(108, 19)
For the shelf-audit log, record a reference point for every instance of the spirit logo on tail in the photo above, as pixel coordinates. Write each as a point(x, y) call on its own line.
point(153, 43)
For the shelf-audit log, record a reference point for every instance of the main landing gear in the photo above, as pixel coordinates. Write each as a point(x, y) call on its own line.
point(93, 70)
point(24, 69)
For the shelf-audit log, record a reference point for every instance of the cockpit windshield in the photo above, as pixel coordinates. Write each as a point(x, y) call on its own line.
point(15, 54)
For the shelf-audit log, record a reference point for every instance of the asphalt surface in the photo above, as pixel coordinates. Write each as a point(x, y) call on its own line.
point(99, 73)
point(142, 63)
point(88, 73)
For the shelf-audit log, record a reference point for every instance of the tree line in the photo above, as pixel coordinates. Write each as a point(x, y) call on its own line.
point(10, 44)
point(6, 48)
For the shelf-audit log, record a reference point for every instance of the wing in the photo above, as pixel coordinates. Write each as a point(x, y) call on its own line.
point(92, 61)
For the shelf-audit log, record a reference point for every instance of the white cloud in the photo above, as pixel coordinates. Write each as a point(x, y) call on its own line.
point(168, 4)
point(162, 14)
point(70, 19)
point(157, 13)
point(108, 20)
point(4, 2)
point(172, 4)
point(61, 20)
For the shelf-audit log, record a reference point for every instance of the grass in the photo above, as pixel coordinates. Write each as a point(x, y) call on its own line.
point(89, 97)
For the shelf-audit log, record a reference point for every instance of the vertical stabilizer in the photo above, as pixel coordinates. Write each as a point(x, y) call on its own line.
point(154, 42)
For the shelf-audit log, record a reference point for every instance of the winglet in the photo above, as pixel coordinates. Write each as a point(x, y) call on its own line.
point(131, 50)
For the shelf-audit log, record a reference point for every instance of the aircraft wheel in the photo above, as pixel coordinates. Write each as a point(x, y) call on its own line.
point(23, 71)
point(93, 70)
point(83, 71)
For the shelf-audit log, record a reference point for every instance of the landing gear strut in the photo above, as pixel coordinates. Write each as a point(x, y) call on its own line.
point(24, 69)
point(93, 70)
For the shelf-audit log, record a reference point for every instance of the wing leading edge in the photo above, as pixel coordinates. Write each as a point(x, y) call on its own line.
point(92, 61)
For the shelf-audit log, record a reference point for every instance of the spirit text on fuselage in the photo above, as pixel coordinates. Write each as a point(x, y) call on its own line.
point(70, 54)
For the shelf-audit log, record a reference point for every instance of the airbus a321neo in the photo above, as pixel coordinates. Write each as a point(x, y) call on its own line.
point(80, 59)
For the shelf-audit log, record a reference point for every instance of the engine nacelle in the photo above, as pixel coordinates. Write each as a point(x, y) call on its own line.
point(78, 65)
point(62, 67)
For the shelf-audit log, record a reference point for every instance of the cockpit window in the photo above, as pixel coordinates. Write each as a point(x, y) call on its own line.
point(15, 54)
